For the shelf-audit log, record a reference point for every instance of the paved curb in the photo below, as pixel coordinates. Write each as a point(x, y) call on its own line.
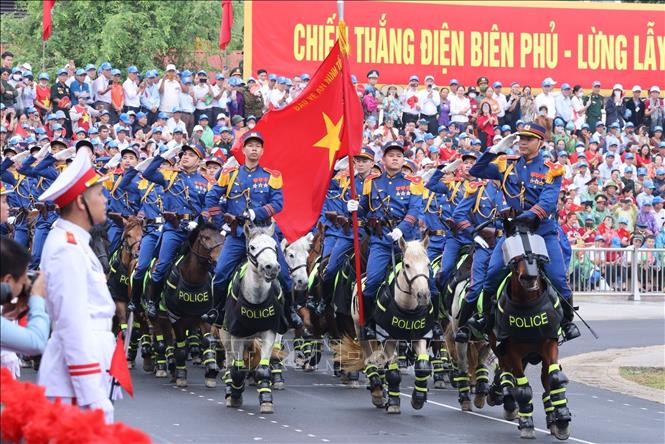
point(601, 369)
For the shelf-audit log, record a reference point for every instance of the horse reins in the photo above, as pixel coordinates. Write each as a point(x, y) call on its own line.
point(409, 281)
point(253, 258)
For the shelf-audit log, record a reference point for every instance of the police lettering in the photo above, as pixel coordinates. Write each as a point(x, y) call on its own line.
point(262, 313)
point(537, 320)
point(124, 279)
point(405, 324)
point(193, 297)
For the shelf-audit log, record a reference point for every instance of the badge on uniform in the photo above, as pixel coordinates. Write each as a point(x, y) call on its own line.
point(71, 239)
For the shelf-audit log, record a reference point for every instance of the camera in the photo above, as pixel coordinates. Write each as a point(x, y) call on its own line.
point(203, 80)
point(6, 289)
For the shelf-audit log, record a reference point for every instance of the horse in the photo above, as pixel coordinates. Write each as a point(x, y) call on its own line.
point(187, 296)
point(526, 330)
point(254, 309)
point(403, 312)
point(469, 356)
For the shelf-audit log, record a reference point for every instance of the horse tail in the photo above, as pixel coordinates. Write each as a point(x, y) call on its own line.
point(449, 337)
point(349, 355)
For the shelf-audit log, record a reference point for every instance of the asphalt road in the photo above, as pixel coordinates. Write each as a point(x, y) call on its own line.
point(315, 408)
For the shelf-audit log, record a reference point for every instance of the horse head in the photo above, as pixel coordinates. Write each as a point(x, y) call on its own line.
point(525, 253)
point(262, 251)
point(413, 278)
point(131, 235)
point(296, 255)
point(207, 242)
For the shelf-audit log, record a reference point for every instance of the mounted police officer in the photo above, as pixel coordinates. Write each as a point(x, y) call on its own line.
point(530, 186)
point(20, 200)
point(390, 205)
point(243, 193)
point(184, 200)
point(120, 203)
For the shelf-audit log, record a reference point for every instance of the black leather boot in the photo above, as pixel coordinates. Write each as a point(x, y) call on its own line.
point(155, 295)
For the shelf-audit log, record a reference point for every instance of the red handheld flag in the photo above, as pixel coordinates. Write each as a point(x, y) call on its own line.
point(47, 5)
point(227, 23)
point(305, 138)
point(119, 369)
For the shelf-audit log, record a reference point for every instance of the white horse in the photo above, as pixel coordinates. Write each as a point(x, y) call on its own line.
point(255, 299)
point(411, 295)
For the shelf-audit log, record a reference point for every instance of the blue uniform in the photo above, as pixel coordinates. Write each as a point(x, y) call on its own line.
point(121, 203)
point(480, 203)
point(454, 193)
point(334, 202)
point(44, 173)
point(527, 186)
point(20, 199)
point(240, 189)
point(396, 201)
point(184, 194)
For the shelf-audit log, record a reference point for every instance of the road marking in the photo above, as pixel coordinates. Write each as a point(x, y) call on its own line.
point(495, 419)
point(250, 413)
point(325, 440)
point(627, 405)
point(643, 408)
point(177, 425)
point(311, 435)
point(262, 417)
point(610, 400)
point(298, 430)
point(210, 399)
point(285, 426)
point(273, 421)
point(220, 402)
point(594, 396)
point(257, 438)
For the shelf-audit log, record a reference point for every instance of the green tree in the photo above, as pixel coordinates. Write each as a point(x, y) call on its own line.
point(145, 33)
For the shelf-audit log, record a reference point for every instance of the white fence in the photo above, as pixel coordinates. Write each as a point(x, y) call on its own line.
point(632, 272)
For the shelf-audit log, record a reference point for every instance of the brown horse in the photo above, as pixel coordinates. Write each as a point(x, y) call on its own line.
point(526, 328)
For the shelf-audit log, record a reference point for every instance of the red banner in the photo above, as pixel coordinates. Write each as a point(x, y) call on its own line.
point(47, 6)
point(573, 42)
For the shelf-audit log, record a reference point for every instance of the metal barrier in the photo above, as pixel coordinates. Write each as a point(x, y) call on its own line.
point(630, 271)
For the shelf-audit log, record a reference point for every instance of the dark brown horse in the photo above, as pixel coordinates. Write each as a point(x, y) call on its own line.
point(527, 317)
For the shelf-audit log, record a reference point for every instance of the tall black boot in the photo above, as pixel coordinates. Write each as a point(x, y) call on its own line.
point(463, 334)
point(484, 321)
point(154, 296)
point(570, 330)
point(369, 329)
point(135, 297)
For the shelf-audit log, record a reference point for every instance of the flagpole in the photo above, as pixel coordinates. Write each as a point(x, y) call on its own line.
point(43, 55)
point(354, 194)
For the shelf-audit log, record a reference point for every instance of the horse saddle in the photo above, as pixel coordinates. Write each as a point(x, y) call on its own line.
point(182, 298)
point(462, 273)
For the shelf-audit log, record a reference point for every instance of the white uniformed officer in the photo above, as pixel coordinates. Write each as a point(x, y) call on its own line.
point(75, 365)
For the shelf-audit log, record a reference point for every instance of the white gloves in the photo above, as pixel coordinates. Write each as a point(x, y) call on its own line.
point(65, 154)
point(143, 165)
point(352, 205)
point(396, 234)
point(42, 152)
point(11, 220)
point(342, 164)
point(20, 157)
point(503, 146)
point(171, 153)
point(250, 214)
point(452, 167)
point(114, 161)
point(191, 225)
point(106, 406)
point(480, 242)
point(225, 229)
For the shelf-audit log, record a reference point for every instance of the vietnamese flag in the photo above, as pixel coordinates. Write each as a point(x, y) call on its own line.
point(119, 369)
point(227, 23)
point(305, 138)
point(47, 5)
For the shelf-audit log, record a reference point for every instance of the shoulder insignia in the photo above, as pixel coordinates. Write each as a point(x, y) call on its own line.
point(512, 156)
point(70, 238)
point(229, 169)
point(414, 179)
point(471, 187)
point(225, 176)
point(367, 184)
point(275, 181)
point(274, 173)
point(416, 186)
point(143, 184)
point(555, 170)
point(501, 162)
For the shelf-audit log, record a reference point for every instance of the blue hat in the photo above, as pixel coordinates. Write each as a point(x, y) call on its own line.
point(288, 81)
point(585, 126)
point(203, 117)
point(124, 118)
point(122, 129)
point(442, 128)
point(533, 130)
point(224, 129)
point(623, 220)
point(235, 81)
point(547, 154)
point(599, 238)
point(157, 129)
point(658, 128)
point(476, 142)
point(519, 122)
point(105, 66)
point(419, 139)
point(470, 154)
point(62, 72)
point(615, 125)
point(141, 115)
point(202, 73)
point(43, 76)
point(115, 72)
point(392, 145)
point(272, 77)
point(196, 148)
point(40, 130)
point(630, 125)
point(30, 140)
point(51, 116)
point(428, 136)
point(463, 136)
point(630, 156)
point(661, 144)
point(648, 183)
point(657, 200)
point(366, 152)
point(132, 70)
point(187, 80)
point(660, 171)
point(90, 67)
point(422, 122)
point(151, 74)
point(93, 130)
point(250, 117)
point(588, 217)
point(629, 170)
point(558, 122)
point(57, 127)
point(80, 130)
point(178, 129)
point(563, 153)
point(111, 144)
point(548, 82)
point(60, 114)
point(609, 154)
point(453, 82)
point(434, 149)
point(105, 112)
point(30, 110)
point(505, 128)
point(163, 115)
point(80, 72)
point(281, 80)
point(131, 149)
point(497, 84)
point(305, 77)
point(414, 78)
point(252, 135)
point(565, 86)
point(219, 76)
point(641, 171)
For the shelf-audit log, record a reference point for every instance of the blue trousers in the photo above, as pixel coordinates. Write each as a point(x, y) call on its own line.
point(22, 234)
point(481, 260)
point(114, 235)
point(434, 248)
point(450, 257)
point(233, 253)
point(172, 239)
point(328, 244)
point(340, 250)
point(39, 237)
point(566, 249)
point(555, 269)
point(149, 242)
point(378, 264)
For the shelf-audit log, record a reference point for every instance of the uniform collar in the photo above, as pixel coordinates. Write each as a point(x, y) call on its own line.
point(396, 176)
point(81, 234)
point(251, 170)
point(539, 157)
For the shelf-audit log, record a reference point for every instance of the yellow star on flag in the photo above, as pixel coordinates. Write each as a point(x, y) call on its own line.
point(86, 118)
point(47, 102)
point(331, 141)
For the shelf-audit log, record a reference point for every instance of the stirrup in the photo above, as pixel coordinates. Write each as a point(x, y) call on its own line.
point(369, 332)
point(151, 309)
point(462, 334)
point(570, 330)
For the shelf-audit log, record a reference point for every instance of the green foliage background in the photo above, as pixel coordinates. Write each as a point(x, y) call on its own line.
point(141, 32)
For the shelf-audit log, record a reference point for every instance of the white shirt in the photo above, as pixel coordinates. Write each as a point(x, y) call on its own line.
point(429, 105)
point(548, 101)
point(564, 107)
point(276, 96)
point(200, 93)
point(172, 124)
point(100, 84)
point(406, 95)
point(581, 180)
point(132, 97)
point(503, 103)
point(578, 106)
point(186, 103)
point(457, 105)
point(170, 97)
point(660, 217)
point(221, 102)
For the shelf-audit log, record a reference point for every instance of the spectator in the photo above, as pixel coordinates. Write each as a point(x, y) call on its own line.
point(132, 90)
point(101, 90)
point(543, 120)
point(655, 109)
point(429, 101)
point(170, 87)
point(460, 107)
point(444, 108)
point(546, 98)
point(513, 106)
point(579, 108)
point(486, 122)
point(528, 105)
point(409, 100)
point(634, 107)
point(203, 95)
point(646, 216)
point(615, 107)
point(563, 103)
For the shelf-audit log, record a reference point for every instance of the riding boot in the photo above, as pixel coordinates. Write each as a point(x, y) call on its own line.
point(483, 323)
point(463, 333)
point(135, 298)
point(155, 295)
point(369, 329)
point(570, 330)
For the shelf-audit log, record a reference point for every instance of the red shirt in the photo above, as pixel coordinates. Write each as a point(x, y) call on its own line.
point(43, 96)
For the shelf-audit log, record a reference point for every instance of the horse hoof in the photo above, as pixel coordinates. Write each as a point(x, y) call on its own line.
point(479, 401)
point(440, 384)
point(196, 361)
point(353, 384)
point(417, 404)
point(131, 364)
point(179, 382)
point(210, 382)
point(527, 433)
point(510, 415)
point(561, 430)
point(299, 362)
point(465, 405)
point(267, 407)
point(278, 386)
point(309, 367)
point(393, 410)
point(161, 374)
point(234, 402)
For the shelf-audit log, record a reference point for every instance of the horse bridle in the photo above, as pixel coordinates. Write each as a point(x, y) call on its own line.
point(409, 281)
point(297, 267)
point(205, 256)
point(130, 247)
point(254, 258)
